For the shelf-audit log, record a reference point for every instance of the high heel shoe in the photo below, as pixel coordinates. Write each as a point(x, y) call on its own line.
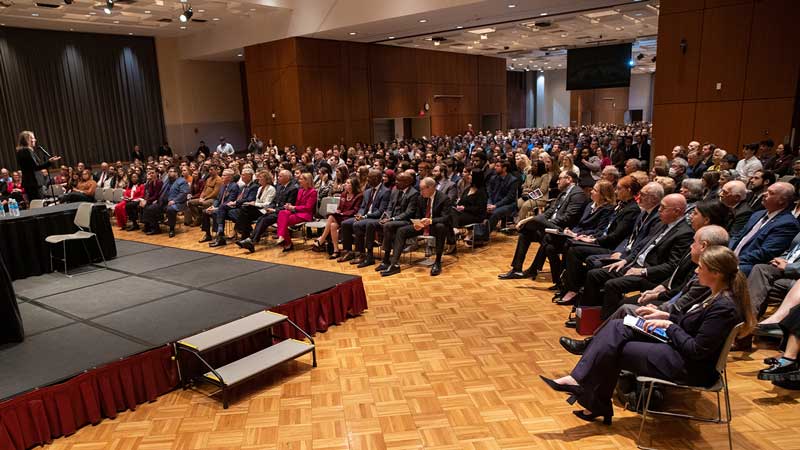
point(590, 417)
point(288, 248)
point(568, 388)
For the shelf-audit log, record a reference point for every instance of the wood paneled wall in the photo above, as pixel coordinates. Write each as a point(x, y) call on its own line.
point(588, 106)
point(324, 92)
point(515, 96)
point(734, 81)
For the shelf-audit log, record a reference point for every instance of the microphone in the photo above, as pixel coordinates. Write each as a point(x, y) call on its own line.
point(44, 151)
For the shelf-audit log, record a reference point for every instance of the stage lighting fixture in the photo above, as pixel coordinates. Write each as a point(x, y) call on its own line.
point(187, 14)
point(109, 6)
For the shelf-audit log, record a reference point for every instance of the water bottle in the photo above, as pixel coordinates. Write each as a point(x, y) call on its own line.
point(13, 208)
point(2, 210)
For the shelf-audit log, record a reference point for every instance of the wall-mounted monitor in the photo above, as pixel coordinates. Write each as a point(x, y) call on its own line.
point(599, 67)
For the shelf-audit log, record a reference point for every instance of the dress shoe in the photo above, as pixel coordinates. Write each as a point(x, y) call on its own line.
point(744, 344)
point(590, 417)
point(239, 243)
point(219, 242)
point(359, 258)
point(562, 302)
point(785, 369)
point(772, 360)
point(391, 270)
point(280, 240)
point(571, 323)
point(530, 273)
point(248, 244)
point(132, 228)
point(288, 248)
point(768, 329)
point(574, 346)
point(206, 238)
point(366, 263)
point(436, 269)
point(348, 256)
point(171, 233)
point(334, 255)
point(555, 287)
point(382, 266)
point(512, 275)
point(450, 249)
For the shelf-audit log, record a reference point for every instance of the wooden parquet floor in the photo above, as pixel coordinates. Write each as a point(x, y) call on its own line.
point(450, 362)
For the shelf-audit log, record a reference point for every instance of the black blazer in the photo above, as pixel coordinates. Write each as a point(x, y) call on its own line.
point(700, 334)
point(475, 204)
point(29, 165)
point(593, 221)
point(283, 195)
point(569, 213)
point(679, 277)
point(403, 206)
point(661, 261)
point(739, 218)
point(622, 220)
point(441, 210)
point(645, 226)
point(503, 190)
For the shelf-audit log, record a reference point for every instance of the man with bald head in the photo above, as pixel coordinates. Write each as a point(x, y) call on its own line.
point(651, 264)
point(769, 232)
point(733, 194)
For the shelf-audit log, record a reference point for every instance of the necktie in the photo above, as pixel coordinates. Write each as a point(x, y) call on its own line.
point(636, 229)
point(372, 199)
point(241, 194)
point(222, 194)
point(643, 255)
point(749, 236)
point(428, 213)
point(560, 203)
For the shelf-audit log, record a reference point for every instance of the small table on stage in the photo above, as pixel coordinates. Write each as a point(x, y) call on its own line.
point(22, 244)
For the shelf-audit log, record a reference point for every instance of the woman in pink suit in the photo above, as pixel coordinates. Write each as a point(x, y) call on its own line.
point(301, 211)
point(133, 192)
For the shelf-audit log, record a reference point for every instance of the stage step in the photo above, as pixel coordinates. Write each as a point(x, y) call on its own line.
point(258, 362)
point(232, 331)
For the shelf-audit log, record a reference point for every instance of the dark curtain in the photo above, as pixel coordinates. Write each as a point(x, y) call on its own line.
point(88, 97)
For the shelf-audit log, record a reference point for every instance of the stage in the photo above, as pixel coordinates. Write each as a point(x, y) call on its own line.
point(150, 297)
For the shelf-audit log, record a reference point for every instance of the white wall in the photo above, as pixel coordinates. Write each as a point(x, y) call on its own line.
point(552, 99)
point(640, 95)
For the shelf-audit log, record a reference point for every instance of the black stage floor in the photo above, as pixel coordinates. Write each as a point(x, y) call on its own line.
point(151, 296)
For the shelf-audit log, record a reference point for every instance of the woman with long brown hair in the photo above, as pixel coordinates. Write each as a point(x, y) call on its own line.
point(29, 164)
point(695, 340)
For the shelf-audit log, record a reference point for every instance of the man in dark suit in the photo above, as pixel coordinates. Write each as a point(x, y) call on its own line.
point(443, 183)
point(644, 269)
point(362, 227)
point(758, 184)
point(230, 210)
point(769, 232)
point(227, 193)
point(780, 273)
point(734, 195)
point(285, 192)
point(171, 201)
point(433, 214)
point(565, 211)
point(502, 189)
point(402, 208)
point(617, 155)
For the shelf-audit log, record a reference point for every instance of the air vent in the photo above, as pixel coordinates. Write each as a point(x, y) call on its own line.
point(199, 20)
point(165, 20)
point(48, 5)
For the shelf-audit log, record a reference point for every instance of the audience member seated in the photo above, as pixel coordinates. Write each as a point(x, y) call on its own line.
point(596, 217)
point(758, 184)
point(231, 209)
point(403, 206)
point(749, 164)
point(711, 185)
point(678, 293)
point(349, 202)
point(152, 191)
point(470, 208)
point(502, 190)
point(734, 195)
point(228, 192)
point(643, 269)
point(536, 178)
point(432, 219)
point(677, 170)
point(778, 276)
point(689, 357)
point(133, 193)
point(171, 201)
point(692, 190)
point(362, 227)
point(564, 212)
point(285, 194)
point(16, 189)
point(84, 191)
point(443, 183)
point(205, 198)
point(301, 211)
point(784, 370)
point(769, 232)
point(253, 210)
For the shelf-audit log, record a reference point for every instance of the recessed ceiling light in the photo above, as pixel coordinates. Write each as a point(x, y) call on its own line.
point(71, 29)
point(469, 47)
point(620, 28)
point(513, 59)
point(92, 13)
point(201, 10)
point(436, 43)
point(130, 34)
point(252, 9)
point(484, 37)
point(116, 21)
point(423, 20)
point(543, 14)
point(147, 11)
point(215, 19)
point(35, 14)
point(239, 55)
point(353, 33)
point(559, 65)
point(391, 37)
point(459, 27)
point(564, 35)
point(512, 6)
point(183, 28)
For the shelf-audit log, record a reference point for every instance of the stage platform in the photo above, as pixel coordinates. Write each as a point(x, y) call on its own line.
point(149, 297)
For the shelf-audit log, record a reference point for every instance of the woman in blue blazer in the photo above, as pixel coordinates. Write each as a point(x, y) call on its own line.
point(695, 341)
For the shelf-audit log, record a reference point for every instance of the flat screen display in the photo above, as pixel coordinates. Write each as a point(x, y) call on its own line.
point(599, 67)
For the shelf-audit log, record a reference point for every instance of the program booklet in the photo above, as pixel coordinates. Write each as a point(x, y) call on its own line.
point(637, 323)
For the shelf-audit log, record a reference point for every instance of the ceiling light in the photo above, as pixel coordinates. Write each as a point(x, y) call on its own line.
point(469, 47)
point(239, 55)
point(201, 10)
point(391, 37)
point(92, 13)
point(35, 14)
point(484, 37)
point(559, 65)
point(353, 33)
point(187, 14)
point(620, 28)
point(513, 59)
point(564, 35)
point(482, 31)
point(109, 6)
point(423, 20)
point(147, 11)
point(116, 21)
point(459, 27)
point(436, 43)
point(215, 19)
point(252, 9)
point(183, 28)
point(543, 14)
point(130, 34)
point(512, 6)
point(71, 29)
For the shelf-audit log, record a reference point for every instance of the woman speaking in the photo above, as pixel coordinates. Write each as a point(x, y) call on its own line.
point(29, 164)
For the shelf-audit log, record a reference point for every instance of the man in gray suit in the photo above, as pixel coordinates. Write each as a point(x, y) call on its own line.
point(443, 183)
point(780, 273)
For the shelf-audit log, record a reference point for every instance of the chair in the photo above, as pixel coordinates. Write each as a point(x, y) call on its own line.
point(117, 196)
point(37, 203)
point(326, 206)
point(98, 194)
point(108, 195)
point(648, 383)
point(83, 220)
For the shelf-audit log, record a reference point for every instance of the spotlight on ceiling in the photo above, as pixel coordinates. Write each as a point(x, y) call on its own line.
point(109, 6)
point(187, 14)
point(640, 57)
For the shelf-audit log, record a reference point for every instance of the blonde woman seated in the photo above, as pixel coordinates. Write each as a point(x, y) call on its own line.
point(538, 178)
point(349, 202)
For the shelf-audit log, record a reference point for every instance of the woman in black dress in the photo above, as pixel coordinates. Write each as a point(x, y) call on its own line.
point(29, 164)
point(471, 206)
